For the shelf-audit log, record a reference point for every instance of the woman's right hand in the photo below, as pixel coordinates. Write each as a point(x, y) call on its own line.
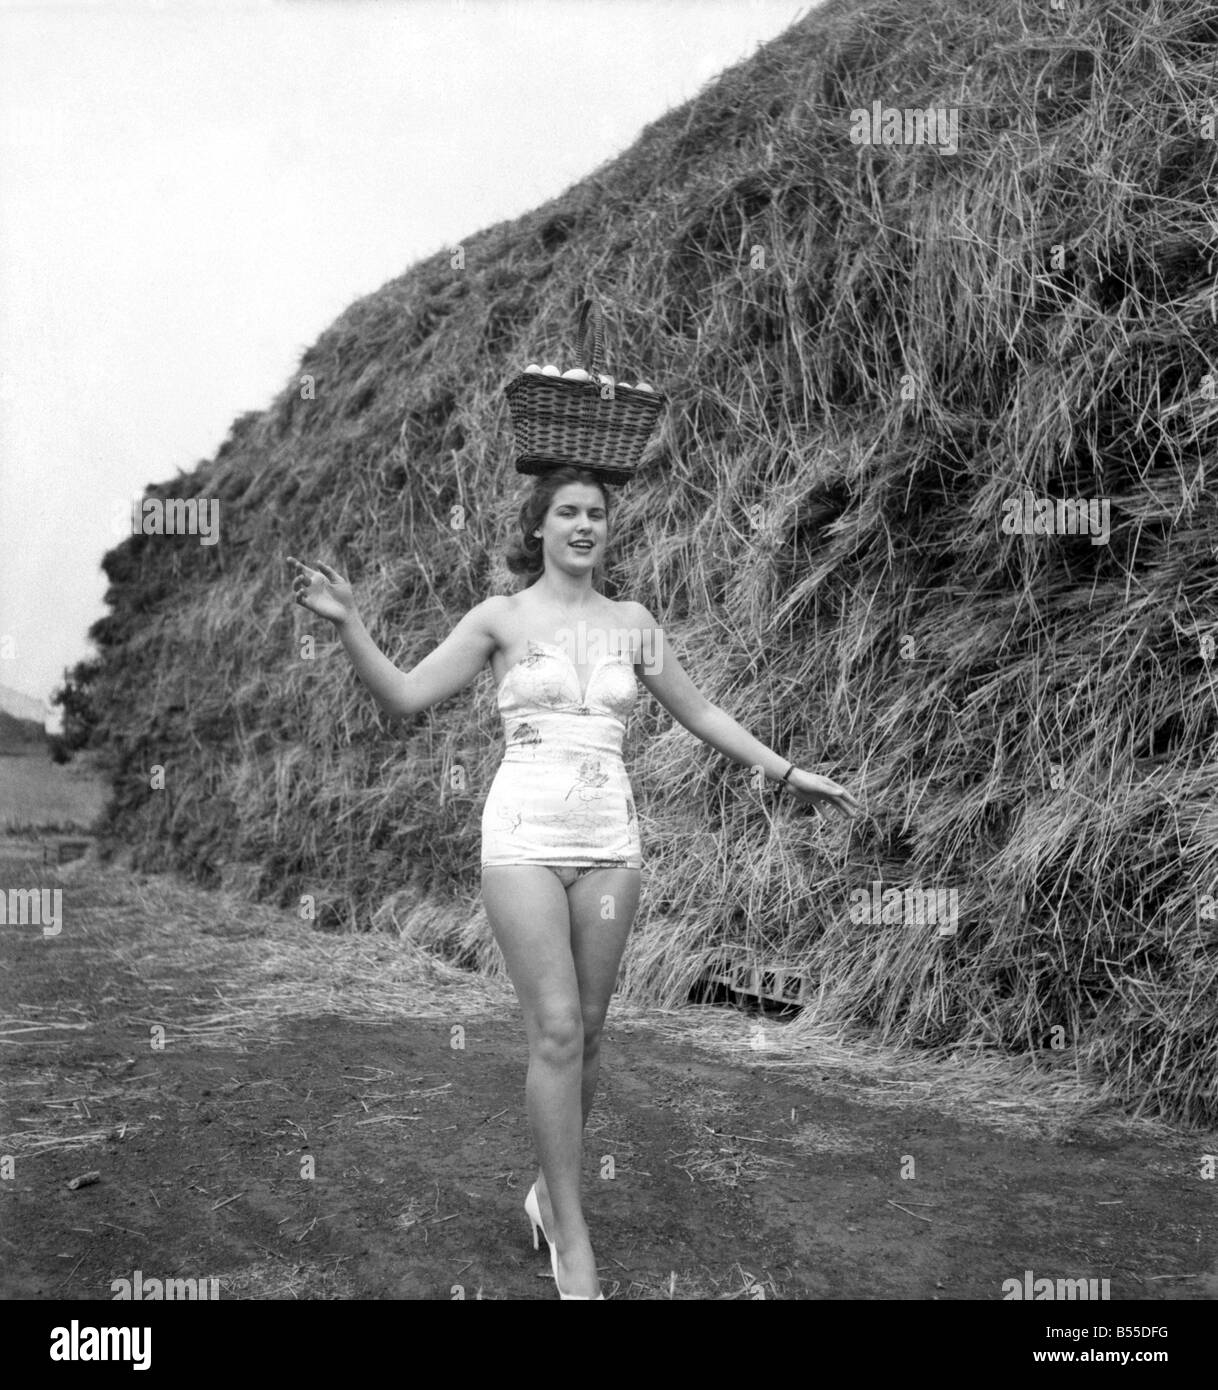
point(323, 591)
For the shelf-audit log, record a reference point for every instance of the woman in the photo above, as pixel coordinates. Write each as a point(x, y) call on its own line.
point(561, 857)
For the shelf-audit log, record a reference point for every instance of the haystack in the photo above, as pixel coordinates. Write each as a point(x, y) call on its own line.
point(905, 380)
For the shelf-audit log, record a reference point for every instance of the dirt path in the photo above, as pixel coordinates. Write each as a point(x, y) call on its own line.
point(713, 1171)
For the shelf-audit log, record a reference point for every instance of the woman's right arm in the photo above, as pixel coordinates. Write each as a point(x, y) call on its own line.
point(441, 673)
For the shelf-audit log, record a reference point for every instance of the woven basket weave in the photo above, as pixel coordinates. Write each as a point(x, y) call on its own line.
point(559, 422)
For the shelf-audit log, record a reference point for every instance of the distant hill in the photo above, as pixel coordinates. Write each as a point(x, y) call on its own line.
point(23, 707)
point(22, 722)
point(21, 736)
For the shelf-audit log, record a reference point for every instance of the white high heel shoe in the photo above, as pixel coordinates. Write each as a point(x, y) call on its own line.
point(533, 1212)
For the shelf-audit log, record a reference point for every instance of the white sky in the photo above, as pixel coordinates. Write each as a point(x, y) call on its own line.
point(191, 190)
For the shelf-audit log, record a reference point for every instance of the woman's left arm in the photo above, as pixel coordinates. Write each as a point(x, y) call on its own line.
point(662, 674)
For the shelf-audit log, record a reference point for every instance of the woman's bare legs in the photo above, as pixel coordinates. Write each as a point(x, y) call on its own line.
point(562, 948)
point(602, 906)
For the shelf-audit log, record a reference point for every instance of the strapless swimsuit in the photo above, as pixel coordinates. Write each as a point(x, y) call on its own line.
point(561, 796)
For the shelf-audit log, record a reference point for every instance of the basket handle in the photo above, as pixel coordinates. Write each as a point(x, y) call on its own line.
point(590, 331)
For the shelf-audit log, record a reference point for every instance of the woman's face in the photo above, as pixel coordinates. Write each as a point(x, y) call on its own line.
point(577, 513)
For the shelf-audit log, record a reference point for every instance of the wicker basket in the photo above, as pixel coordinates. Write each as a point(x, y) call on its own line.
point(560, 422)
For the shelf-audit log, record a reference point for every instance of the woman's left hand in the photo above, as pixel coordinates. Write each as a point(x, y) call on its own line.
point(813, 790)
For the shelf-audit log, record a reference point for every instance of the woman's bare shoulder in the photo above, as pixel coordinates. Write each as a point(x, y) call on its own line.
point(634, 614)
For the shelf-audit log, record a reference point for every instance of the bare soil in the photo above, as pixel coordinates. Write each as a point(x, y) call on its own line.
point(715, 1169)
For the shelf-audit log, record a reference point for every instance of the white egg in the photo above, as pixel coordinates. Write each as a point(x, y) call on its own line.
point(576, 374)
point(532, 367)
point(550, 370)
point(644, 386)
point(603, 379)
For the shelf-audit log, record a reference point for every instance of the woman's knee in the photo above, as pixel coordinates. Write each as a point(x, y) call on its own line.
point(558, 1033)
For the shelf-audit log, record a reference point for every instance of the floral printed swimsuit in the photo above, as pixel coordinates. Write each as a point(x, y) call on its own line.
point(562, 796)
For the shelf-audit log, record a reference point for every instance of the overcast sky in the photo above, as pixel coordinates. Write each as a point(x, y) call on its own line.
point(191, 190)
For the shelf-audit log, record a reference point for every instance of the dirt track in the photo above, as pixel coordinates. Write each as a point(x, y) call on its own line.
point(733, 1176)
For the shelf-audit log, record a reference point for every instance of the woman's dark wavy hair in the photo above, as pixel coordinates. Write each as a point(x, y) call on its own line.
point(524, 552)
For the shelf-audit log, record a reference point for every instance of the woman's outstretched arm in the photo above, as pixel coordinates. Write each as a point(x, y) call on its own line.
point(441, 673)
point(668, 682)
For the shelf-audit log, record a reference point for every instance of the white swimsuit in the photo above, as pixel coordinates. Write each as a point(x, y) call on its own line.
point(561, 795)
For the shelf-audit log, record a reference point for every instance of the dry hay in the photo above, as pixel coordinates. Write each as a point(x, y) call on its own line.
point(275, 968)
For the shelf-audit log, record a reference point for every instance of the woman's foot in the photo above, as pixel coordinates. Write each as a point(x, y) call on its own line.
point(576, 1262)
point(576, 1266)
